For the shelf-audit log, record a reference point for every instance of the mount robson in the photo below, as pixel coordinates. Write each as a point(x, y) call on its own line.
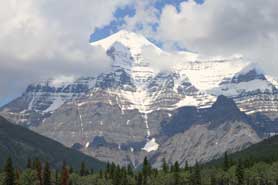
point(191, 109)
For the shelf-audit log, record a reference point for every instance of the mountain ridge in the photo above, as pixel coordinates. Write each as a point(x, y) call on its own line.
point(22, 144)
point(124, 109)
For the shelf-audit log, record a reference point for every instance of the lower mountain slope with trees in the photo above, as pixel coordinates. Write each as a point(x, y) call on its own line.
point(264, 151)
point(22, 144)
point(242, 168)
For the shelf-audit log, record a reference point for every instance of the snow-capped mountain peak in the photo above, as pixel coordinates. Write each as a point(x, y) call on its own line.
point(273, 80)
point(126, 49)
point(134, 41)
point(249, 68)
point(147, 78)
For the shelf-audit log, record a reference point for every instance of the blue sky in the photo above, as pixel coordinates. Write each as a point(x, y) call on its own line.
point(130, 11)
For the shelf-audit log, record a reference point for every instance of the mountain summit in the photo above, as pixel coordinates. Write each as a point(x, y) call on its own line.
point(135, 42)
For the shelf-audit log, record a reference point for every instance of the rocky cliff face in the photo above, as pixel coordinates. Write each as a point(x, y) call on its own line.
point(41, 99)
point(139, 109)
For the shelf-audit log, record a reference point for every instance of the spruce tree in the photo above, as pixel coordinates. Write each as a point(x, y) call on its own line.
point(176, 167)
point(64, 175)
point(124, 180)
point(107, 171)
point(100, 174)
point(176, 173)
point(146, 170)
point(197, 174)
point(92, 171)
point(71, 170)
point(116, 178)
point(155, 172)
point(165, 166)
point(139, 179)
point(46, 175)
point(29, 164)
point(38, 168)
point(17, 176)
point(130, 170)
point(212, 180)
point(82, 169)
point(186, 166)
point(240, 173)
point(9, 178)
point(226, 164)
point(56, 177)
point(112, 170)
point(191, 176)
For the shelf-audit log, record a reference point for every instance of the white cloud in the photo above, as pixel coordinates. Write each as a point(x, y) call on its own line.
point(218, 27)
point(164, 61)
point(146, 15)
point(46, 38)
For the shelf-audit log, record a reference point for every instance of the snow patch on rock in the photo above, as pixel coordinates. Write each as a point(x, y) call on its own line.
point(151, 145)
point(58, 102)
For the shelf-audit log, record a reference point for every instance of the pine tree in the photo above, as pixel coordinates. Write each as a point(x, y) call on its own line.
point(124, 180)
point(139, 179)
point(17, 176)
point(191, 176)
point(240, 173)
point(176, 173)
point(130, 170)
point(56, 177)
point(29, 164)
point(92, 171)
point(64, 175)
point(9, 178)
point(38, 168)
point(116, 177)
point(146, 170)
point(70, 170)
point(100, 174)
point(226, 164)
point(82, 169)
point(172, 168)
point(176, 167)
point(186, 166)
point(155, 172)
point(165, 166)
point(46, 175)
point(112, 170)
point(197, 174)
point(212, 180)
point(107, 171)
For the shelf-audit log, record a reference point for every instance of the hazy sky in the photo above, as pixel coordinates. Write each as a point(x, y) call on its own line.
point(47, 38)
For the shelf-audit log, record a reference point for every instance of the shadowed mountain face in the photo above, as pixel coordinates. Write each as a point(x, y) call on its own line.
point(138, 109)
point(223, 110)
point(20, 144)
point(204, 134)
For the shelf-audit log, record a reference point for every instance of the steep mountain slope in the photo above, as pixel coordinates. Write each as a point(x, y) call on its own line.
point(42, 98)
point(20, 144)
point(121, 115)
point(205, 134)
point(251, 90)
point(188, 133)
point(264, 151)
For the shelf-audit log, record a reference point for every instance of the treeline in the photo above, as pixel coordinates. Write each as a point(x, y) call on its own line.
point(241, 172)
